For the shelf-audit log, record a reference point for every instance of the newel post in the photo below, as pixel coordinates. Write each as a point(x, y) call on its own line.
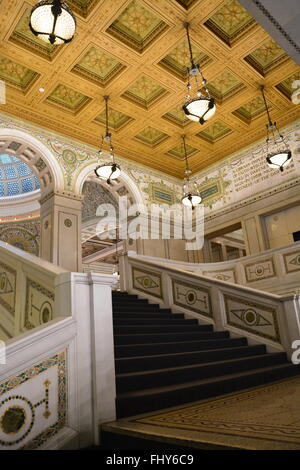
point(291, 324)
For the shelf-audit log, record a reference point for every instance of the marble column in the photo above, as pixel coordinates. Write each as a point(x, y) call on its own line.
point(61, 230)
point(254, 234)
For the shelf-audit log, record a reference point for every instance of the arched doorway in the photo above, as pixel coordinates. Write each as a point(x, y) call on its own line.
point(37, 181)
point(100, 253)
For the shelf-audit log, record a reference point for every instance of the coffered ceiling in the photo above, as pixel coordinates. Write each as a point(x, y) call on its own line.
point(136, 52)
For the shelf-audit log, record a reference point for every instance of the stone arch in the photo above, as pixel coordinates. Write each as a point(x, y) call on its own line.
point(124, 185)
point(36, 155)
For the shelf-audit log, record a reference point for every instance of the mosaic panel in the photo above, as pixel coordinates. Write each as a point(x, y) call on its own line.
point(39, 305)
point(144, 92)
point(192, 297)
point(292, 261)
point(137, 26)
point(214, 189)
point(98, 66)
point(23, 36)
point(151, 136)
point(266, 57)
point(252, 317)
point(214, 132)
point(33, 405)
point(178, 61)
point(227, 275)
point(68, 98)
point(23, 235)
point(8, 281)
point(16, 74)
point(147, 281)
point(266, 415)
point(265, 269)
point(160, 194)
point(230, 22)
point(94, 194)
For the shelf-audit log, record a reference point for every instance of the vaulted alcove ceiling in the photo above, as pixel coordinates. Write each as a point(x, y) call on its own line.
point(136, 52)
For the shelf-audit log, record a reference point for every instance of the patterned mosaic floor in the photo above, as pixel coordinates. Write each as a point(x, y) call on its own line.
point(262, 418)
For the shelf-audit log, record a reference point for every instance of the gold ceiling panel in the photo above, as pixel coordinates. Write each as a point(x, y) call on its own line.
point(230, 22)
point(151, 136)
point(136, 52)
point(116, 119)
point(267, 57)
point(252, 109)
point(23, 36)
point(83, 7)
point(16, 74)
point(137, 26)
point(98, 66)
point(177, 60)
point(214, 132)
point(178, 151)
point(68, 98)
point(144, 92)
point(286, 85)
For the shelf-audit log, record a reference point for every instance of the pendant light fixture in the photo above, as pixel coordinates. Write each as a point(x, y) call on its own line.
point(110, 170)
point(191, 197)
point(202, 106)
point(278, 153)
point(53, 21)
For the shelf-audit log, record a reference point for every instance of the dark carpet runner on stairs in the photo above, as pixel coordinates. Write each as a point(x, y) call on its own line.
point(165, 360)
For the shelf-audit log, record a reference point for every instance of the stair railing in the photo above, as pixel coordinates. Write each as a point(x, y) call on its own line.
point(57, 374)
point(276, 270)
point(260, 316)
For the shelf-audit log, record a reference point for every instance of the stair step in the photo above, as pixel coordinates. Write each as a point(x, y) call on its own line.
point(140, 308)
point(120, 320)
point(148, 329)
point(116, 295)
point(174, 375)
point(177, 346)
point(143, 401)
point(167, 337)
point(117, 302)
point(143, 363)
point(155, 315)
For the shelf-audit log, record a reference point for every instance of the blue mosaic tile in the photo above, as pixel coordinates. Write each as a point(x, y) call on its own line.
point(10, 172)
point(13, 188)
point(23, 169)
point(27, 185)
point(16, 176)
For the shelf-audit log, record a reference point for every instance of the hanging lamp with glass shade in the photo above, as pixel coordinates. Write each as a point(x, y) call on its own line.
point(191, 196)
point(53, 21)
point(110, 170)
point(279, 154)
point(200, 106)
